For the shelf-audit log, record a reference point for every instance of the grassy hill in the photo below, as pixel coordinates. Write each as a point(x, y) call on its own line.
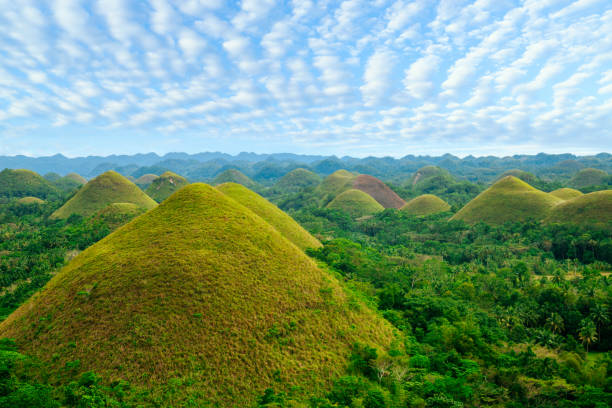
point(509, 199)
point(76, 178)
point(145, 180)
point(378, 190)
point(566, 193)
point(527, 177)
point(117, 214)
point(165, 185)
point(234, 176)
point(428, 172)
point(334, 184)
point(25, 183)
point(198, 301)
point(271, 214)
point(356, 203)
point(588, 177)
point(30, 201)
point(297, 180)
point(426, 204)
point(107, 188)
point(592, 208)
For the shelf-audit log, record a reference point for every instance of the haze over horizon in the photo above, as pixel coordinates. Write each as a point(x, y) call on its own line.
point(354, 77)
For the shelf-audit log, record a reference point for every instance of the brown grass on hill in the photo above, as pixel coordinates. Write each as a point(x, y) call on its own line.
point(378, 190)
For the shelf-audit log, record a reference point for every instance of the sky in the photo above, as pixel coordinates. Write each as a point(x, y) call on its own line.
point(353, 77)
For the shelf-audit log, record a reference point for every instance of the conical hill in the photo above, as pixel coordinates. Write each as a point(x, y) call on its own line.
point(356, 203)
point(166, 184)
point(145, 180)
point(107, 188)
point(234, 176)
point(25, 183)
point(509, 199)
point(199, 300)
point(378, 190)
point(296, 180)
point(426, 204)
point(566, 193)
point(334, 184)
point(593, 208)
point(283, 223)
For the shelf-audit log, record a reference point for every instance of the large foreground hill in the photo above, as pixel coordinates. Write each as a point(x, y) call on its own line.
point(197, 300)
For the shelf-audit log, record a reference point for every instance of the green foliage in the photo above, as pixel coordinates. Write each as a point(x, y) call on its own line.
point(588, 177)
point(426, 204)
point(234, 176)
point(25, 183)
point(592, 208)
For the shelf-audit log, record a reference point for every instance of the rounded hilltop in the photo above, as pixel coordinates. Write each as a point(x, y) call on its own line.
point(296, 180)
point(107, 188)
point(426, 204)
point(378, 190)
point(593, 208)
point(566, 193)
point(25, 183)
point(527, 177)
point(509, 199)
point(356, 203)
point(234, 176)
point(588, 177)
point(189, 289)
point(165, 185)
point(145, 180)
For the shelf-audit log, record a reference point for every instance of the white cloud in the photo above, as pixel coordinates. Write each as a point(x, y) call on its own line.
point(191, 43)
point(418, 81)
point(377, 77)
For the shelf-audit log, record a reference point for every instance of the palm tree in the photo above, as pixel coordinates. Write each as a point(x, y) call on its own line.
point(600, 316)
point(587, 332)
point(555, 323)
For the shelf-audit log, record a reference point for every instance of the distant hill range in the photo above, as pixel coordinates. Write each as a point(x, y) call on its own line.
point(268, 168)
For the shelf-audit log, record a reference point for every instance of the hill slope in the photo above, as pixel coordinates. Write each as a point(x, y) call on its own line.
point(509, 199)
point(25, 183)
point(378, 190)
point(166, 184)
point(356, 203)
point(566, 193)
point(429, 172)
point(592, 208)
point(426, 204)
point(234, 176)
point(588, 177)
point(297, 180)
point(145, 180)
point(117, 214)
point(200, 297)
point(527, 177)
point(334, 184)
point(107, 188)
point(283, 223)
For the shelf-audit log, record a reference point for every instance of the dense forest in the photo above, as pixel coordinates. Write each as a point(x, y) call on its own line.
point(516, 314)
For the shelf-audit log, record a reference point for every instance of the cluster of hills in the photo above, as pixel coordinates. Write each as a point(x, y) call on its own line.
point(269, 168)
point(514, 196)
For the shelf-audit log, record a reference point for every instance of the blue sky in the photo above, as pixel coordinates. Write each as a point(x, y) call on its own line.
point(356, 77)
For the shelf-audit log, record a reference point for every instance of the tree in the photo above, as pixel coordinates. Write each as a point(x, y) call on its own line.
point(600, 317)
point(555, 323)
point(587, 333)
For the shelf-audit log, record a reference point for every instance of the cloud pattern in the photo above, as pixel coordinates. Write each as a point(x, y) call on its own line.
point(346, 77)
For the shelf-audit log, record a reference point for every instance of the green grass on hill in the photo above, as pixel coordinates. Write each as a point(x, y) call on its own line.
point(509, 199)
point(25, 183)
point(197, 301)
point(30, 201)
point(117, 214)
point(76, 177)
point(145, 180)
point(234, 176)
point(165, 185)
point(107, 188)
point(356, 203)
point(378, 190)
point(592, 208)
point(334, 184)
point(527, 177)
point(426, 204)
point(427, 172)
point(588, 177)
point(274, 216)
point(566, 193)
point(297, 180)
